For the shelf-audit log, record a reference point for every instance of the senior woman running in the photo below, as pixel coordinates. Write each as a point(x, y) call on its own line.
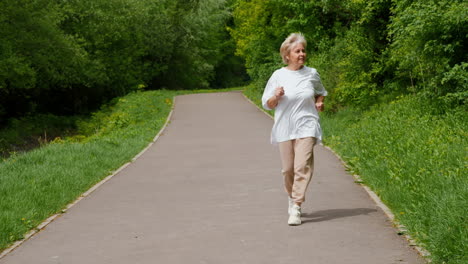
point(296, 93)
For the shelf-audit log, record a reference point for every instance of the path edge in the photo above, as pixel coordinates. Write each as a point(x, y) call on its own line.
point(50, 219)
point(357, 179)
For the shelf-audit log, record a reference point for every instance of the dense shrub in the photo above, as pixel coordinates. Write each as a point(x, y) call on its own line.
point(429, 40)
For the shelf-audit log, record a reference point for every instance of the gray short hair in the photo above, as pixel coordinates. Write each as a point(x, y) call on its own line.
point(291, 40)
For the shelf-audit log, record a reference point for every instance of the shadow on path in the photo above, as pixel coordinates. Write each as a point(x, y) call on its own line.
point(325, 215)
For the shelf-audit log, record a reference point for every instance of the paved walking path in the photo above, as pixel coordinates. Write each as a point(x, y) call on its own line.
point(210, 191)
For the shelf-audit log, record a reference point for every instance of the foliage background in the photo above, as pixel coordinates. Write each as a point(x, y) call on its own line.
point(68, 57)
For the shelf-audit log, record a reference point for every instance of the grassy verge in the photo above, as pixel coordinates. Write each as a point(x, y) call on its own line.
point(415, 161)
point(41, 182)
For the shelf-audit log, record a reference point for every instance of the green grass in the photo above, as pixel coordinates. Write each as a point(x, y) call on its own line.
point(254, 92)
point(415, 161)
point(41, 182)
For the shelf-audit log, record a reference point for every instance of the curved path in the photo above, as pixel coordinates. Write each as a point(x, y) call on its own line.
point(210, 191)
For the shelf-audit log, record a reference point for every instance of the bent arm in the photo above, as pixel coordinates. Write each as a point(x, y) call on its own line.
point(319, 102)
point(319, 99)
point(272, 103)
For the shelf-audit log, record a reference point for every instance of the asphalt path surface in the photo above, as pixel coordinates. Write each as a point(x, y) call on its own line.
point(209, 190)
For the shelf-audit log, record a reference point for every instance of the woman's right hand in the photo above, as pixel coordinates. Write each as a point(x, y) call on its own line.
point(273, 101)
point(279, 92)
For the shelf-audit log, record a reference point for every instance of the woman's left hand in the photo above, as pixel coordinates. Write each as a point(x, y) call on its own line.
point(320, 106)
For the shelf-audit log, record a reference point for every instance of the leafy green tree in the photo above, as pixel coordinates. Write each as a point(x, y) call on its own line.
point(35, 54)
point(428, 47)
point(198, 36)
point(70, 56)
point(126, 40)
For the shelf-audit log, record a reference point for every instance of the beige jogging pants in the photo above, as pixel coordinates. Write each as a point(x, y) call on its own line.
point(297, 158)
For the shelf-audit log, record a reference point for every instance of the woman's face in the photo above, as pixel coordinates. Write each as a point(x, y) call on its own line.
point(297, 55)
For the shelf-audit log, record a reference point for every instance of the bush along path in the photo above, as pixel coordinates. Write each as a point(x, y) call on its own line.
point(210, 190)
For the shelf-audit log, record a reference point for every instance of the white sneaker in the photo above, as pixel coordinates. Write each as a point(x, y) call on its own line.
point(295, 215)
point(291, 203)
